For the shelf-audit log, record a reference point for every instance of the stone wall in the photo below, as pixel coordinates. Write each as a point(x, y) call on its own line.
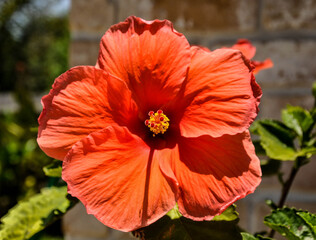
point(283, 30)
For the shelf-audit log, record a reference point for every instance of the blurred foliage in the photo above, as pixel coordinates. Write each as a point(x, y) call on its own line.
point(174, 226)
point(21, 161)
point(247, 236)
point(34, 51)
point(32, 215)
point(34, 45)
point(54, 169)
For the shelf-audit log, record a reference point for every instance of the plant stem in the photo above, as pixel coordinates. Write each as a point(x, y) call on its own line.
point(286, 188)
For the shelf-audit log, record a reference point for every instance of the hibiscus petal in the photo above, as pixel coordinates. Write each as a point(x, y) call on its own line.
point(118, 178)
point(196, 48)
point(150, 56)
point(222, 94)
point(82, 100)
point(262, 65)
point(245, 47)
point(215, 172)
point(167, 156)
point(257, 92)
point(249, 52)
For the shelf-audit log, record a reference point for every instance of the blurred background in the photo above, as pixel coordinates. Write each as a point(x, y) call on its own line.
point(41, 39)
point(34, 43)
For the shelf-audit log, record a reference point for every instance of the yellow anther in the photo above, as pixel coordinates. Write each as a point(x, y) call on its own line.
point(157, 122)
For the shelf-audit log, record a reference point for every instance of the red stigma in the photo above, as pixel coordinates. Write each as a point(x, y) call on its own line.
point(157, 122)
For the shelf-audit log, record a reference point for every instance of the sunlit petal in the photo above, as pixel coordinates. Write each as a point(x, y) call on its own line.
point(220, 94)
point(83, 100)
point(118, 178)
point(150, 56)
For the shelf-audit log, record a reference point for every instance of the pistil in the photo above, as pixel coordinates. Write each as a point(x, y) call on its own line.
point(158, 122)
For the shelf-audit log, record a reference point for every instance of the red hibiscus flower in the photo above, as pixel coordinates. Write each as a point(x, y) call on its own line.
point(249, 52)
point(155, 123)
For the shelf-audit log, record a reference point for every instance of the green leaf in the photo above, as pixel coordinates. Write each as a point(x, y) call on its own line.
point(307, 152)
point(276, 127)
point(54, 169)
point(276, 139)
point(270, 167)
point(248, 236)
point(31, 216)
point(298, 119)
point(222, 227)
point(293, 224)
point(309, 218)
point(230, 214)
point(174, 213)
point(311, 142)
point(258, 148)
